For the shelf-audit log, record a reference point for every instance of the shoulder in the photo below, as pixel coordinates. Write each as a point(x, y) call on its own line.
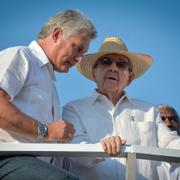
point(17, 51)
point(79, 103)
point(13, 58)
point(13, 53)
point(143, 110)
point(141, 104)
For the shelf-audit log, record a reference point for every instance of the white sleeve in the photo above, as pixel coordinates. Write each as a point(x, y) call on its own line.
point(70, 115)
point(13, 70)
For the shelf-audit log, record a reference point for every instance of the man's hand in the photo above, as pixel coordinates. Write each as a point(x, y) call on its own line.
point(60, 131)
point(112, 145)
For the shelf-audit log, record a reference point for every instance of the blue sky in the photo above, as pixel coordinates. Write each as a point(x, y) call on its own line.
point(151, 27)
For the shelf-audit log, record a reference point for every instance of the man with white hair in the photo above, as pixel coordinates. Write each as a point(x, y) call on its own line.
point(29, 106)
point(112, 118)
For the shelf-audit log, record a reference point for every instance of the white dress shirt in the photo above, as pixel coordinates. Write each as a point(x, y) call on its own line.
point(95, 118)
point(28, 77)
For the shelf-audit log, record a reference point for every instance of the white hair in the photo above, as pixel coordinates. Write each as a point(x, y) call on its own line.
point(72, 22)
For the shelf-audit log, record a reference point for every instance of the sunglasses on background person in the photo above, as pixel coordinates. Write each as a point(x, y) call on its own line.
point(170, 117)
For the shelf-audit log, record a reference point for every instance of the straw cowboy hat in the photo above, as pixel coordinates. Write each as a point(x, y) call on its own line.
point(140, 62)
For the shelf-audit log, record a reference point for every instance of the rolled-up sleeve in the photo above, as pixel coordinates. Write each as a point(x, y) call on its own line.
point(14, 70)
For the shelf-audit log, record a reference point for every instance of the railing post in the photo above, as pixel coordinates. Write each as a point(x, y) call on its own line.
point(131, 166)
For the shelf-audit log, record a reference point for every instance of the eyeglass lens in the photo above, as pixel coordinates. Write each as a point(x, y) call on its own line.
point(119, 63)
point(169, 117)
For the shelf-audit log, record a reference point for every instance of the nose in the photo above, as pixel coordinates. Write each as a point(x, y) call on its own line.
point(113, 67)
point(79, 59)
point(76, 60)
point(167, 121)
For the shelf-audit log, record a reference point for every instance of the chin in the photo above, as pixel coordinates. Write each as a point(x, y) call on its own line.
point(110, 88)
point(63, 69)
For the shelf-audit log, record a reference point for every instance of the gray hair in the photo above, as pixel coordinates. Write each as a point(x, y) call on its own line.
point(72, 23)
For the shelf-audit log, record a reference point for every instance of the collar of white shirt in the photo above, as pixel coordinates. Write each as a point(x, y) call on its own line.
point(97, 96)
point(41, 55)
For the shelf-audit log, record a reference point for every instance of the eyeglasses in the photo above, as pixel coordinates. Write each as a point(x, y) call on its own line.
point(174, 118)
point(105, 61)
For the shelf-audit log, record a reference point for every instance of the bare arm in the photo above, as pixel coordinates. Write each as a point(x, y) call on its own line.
point(12, 119)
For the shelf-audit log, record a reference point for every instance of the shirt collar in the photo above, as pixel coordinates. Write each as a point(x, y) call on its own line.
point(96, 95)
point(42, 57)
point(125, 97)
point(39, 53)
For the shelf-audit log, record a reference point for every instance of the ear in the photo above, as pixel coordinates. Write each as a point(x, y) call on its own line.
point(57, 32)
point(131, 78)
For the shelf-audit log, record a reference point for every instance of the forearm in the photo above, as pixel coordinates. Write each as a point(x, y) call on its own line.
point(12, 119)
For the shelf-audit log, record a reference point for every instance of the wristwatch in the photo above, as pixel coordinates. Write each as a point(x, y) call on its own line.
point(42, 130)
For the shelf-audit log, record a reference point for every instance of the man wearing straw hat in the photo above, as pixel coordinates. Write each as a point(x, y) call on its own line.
point(112, 118)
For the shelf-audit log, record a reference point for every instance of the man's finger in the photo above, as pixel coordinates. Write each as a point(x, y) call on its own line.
point(118, 144)
point(112, 141)
point(103, 144)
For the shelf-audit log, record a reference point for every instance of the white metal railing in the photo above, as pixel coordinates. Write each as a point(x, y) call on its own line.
point(130, 152)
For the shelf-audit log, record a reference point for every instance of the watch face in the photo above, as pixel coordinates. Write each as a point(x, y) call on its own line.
point(42, 130)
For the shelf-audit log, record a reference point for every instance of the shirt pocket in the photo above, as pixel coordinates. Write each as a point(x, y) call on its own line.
point(147, 133)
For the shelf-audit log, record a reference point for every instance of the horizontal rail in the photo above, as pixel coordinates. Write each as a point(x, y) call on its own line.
point(87, 150)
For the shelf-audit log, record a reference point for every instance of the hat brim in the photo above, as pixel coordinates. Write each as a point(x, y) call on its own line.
point(140, 62)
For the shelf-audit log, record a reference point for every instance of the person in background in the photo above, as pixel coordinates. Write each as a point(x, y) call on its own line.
point(170, 117)
point(29, 105)
point(110, 117)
